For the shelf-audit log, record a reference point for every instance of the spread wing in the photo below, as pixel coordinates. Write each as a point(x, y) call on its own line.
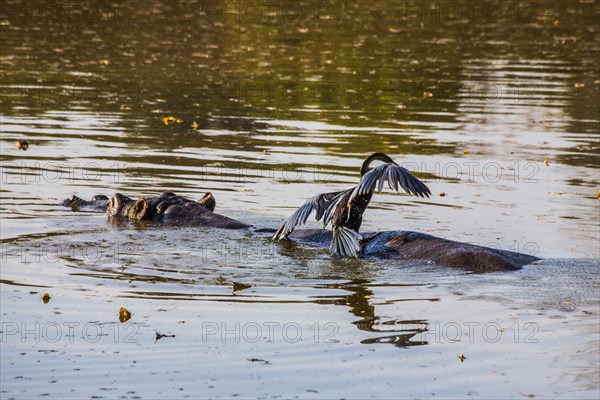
point(396, 176)
point(323, 204)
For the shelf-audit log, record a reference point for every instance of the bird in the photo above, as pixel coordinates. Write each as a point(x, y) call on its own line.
point(344, 209)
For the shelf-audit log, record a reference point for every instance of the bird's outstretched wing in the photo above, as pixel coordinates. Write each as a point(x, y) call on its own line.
point(323, 204)
point(396, 176)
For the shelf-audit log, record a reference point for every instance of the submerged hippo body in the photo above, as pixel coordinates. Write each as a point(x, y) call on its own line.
point(176, 210)
point(417, 246)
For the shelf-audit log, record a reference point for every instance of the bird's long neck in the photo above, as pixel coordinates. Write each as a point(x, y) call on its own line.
point(375, 156)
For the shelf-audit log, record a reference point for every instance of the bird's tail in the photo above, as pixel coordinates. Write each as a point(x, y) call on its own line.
point(346, 242)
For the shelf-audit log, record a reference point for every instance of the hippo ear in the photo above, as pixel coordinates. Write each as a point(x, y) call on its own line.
point(139, 210)
point(69, 201)
point(208, 201)
point(110, 209)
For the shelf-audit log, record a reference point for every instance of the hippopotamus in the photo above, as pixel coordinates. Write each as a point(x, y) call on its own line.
point(174, 210)
point(97, 203)
point(417, 246)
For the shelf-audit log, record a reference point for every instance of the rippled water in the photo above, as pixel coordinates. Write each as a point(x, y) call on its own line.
point(496, 106)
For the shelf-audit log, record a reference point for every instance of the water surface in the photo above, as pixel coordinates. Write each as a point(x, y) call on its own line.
point(495, 106)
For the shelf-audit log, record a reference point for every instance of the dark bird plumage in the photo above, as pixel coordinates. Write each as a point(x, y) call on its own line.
point(344, 209)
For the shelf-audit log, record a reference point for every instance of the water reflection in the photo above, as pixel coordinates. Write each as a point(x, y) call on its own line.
point(397, 332)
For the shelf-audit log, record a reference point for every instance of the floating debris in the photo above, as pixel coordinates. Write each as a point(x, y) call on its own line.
point(171, 120)
point(462, 357)
point(443, 194)
point(259, 360)
point(22, 144)
point(46, 298)
point(162, 335)
point(124, 314)
point(546, 162)
point(194, 125)
point(579, 85)
point(466, 151)
point(240, 286)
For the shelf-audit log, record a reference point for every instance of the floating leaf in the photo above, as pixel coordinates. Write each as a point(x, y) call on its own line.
point(124, 314)
point(46, 298)
point(194, 125)
point(462, 357)
point(579, 85)
point(466, 151)
point(546, 162)
point(443, 194)
point(556, 22)
point(171, 120)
